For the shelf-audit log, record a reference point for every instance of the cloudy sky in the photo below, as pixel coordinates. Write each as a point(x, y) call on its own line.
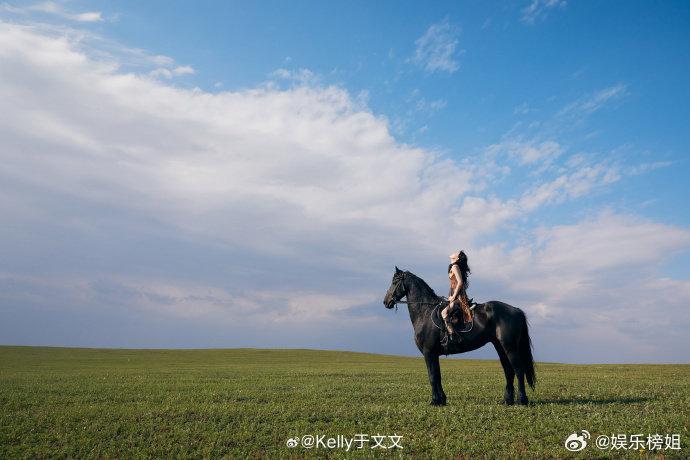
point(242, 174)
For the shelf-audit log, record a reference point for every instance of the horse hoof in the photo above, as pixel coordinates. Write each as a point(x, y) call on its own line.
point(507, 402)
point(524, 401)
point(437, 403)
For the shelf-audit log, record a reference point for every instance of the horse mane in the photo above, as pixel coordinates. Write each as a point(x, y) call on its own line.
point(421, 283)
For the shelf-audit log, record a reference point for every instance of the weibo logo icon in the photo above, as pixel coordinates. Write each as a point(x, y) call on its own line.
point(575, 443)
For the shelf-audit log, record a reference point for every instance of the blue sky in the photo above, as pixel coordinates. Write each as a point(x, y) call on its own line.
point(192, 174)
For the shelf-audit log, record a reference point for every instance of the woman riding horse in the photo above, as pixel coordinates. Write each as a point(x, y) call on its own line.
point(458, 269)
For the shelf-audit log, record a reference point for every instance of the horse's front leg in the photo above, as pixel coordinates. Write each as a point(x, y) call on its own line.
point(438, 396)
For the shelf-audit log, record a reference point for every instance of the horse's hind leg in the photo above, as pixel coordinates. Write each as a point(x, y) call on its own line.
point(514, 358)
point(509, 394)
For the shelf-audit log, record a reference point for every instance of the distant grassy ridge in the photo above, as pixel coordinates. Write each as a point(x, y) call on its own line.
point(239, 403)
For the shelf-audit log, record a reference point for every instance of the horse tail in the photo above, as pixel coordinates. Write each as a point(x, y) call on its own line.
point(525, 352)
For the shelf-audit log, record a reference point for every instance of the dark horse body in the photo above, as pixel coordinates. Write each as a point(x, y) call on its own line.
point(503, 325)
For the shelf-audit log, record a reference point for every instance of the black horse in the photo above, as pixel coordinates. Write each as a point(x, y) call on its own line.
point(503, 325)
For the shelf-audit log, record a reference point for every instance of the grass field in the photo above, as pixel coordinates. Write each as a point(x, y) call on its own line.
point(239, 403)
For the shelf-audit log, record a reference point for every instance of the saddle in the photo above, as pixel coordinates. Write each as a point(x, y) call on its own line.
point(462, 313)
point(456, 316)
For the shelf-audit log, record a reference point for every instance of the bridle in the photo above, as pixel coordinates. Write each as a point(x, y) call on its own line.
point(397, 285)
point(406, 302)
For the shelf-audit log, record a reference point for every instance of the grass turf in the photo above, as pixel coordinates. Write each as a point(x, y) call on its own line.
point(246, 403)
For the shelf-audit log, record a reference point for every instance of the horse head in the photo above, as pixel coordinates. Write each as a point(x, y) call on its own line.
point(396, 290)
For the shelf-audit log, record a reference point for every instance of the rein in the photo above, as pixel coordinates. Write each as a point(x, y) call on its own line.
point(436, 306)
point(421, 303)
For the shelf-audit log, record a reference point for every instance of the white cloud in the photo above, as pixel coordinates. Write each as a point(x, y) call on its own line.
point(527, 152)
point(480, 216)
point(302, 193)
point(212, 164)
point(436, 49)
point(538, 10)
point(610, 241)
point(646, 167)
point(184, 70)
point(162, 60)
point(300, 76)
point(598, 281)
point(592, 103)
point(91, 16)
point(571, 185)
point(56, 9)
point(522, 109)
point(162, 72)
point(316, 305)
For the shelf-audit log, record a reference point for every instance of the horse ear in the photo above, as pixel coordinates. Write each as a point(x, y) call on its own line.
point(397, 270)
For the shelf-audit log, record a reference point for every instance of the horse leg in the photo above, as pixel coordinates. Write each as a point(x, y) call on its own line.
point(509, 394)
point(438, 380)
point(514, 358)
point(438, 397)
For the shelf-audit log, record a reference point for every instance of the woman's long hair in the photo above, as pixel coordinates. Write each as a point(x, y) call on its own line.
point(464, 271)
point(464, 268)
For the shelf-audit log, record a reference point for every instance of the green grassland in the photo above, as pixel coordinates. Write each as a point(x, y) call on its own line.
point(246, 403)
